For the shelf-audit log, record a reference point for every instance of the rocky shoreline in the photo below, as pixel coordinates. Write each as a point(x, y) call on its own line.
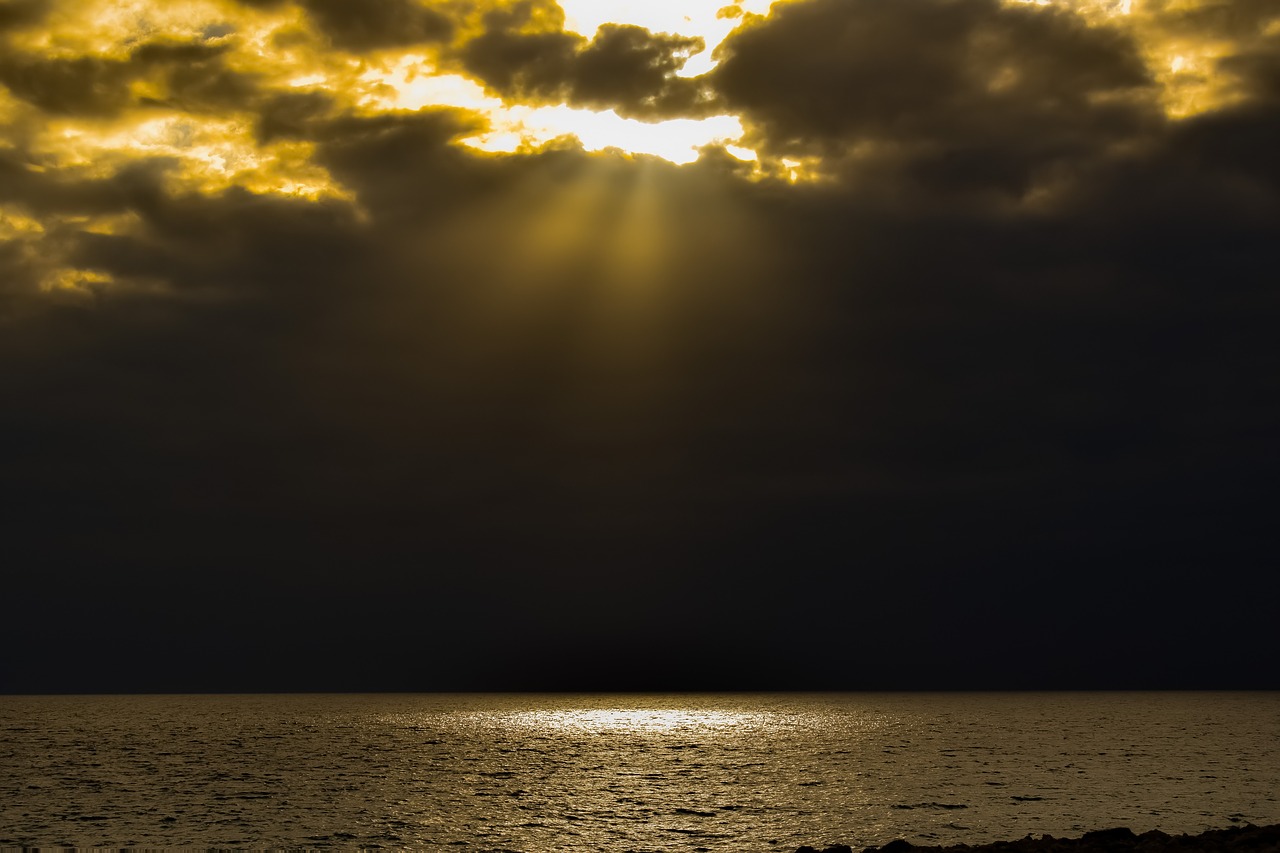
point(1237, 839)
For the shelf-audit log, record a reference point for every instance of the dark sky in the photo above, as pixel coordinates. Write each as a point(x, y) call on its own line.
point(970, 380)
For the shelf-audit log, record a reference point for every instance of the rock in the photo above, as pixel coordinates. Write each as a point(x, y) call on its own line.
point(1236, 839)
point(899, 845)
point(1121, 835)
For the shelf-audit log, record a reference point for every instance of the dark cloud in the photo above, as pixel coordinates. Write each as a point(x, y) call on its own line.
point(84, 86)
point(402, 167)
point(504, 406)
point(44, 191)
point(970, 95)
point(20, 277)
point(513, 57)
point(196, 78)
point(1258, 70)
point(192, 74)
point(293, 114)
point(634, 71)
point(525, 55)
point(22, 13)
point(1236, 20)
point(375, 24)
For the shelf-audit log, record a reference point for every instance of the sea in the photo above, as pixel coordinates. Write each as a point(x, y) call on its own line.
point(628, 772)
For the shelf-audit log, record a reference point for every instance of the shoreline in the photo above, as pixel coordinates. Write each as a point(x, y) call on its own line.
point(1246, 838)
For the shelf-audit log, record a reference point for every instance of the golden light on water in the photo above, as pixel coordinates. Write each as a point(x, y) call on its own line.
point(641, 721)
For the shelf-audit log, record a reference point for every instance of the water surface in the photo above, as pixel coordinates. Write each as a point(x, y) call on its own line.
point(728, 772)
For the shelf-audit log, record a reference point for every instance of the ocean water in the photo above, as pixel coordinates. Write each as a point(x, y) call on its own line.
point(738, 772)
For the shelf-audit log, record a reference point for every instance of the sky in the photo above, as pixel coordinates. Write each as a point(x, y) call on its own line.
point(513, 345)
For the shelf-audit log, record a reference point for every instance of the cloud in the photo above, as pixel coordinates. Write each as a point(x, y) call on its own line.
point(1258, 69)
point(292, 114)
point(197, 79)
point(633, 70)
point(512, 56)
point(22, 13)
point(84, 85)
point(1020, 331)
point(524, 54)
point(186, 75)
point(971, 94)
point(374, 24)
point(370, 26)
point(402, 167)
point(1236, 20)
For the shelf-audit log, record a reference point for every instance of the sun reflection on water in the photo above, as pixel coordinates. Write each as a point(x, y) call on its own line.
point(643, 720)
point(637, 720)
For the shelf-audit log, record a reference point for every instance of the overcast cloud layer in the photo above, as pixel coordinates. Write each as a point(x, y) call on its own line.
point(971, 380)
